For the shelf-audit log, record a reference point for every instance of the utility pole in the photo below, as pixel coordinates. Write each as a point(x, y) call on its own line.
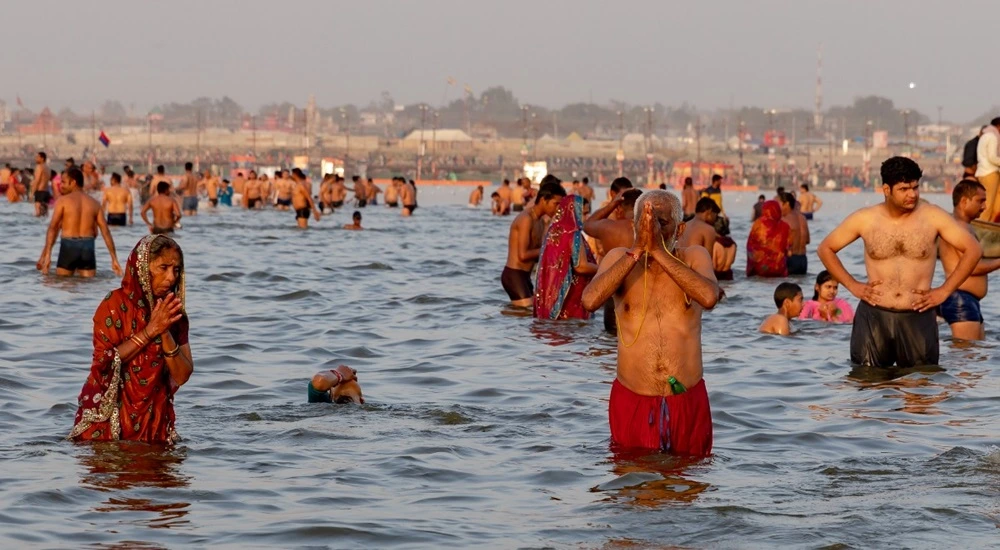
point(830, 152)
point(93, 132)
point(434, 134)
point(621, 144)
point(868, 144)
point(420, 153)
point(253, 130)
point(534, 133)
point(149, 124)
point(17, 124)
point(197, 147)
point(347, 131)
point(555, 125)
point(740, 137)
point(906, 130)
point(697, 135)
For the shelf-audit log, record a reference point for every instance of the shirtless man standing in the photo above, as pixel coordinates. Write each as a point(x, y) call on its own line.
point(808, 203)
point(40, 185)
point(373, 192)
point(525, 242)
point(166, 213)
point(188, 188)
point(408, 194)
point(961, 310)
point(585, 190)
point(283, 188)
point(895, 322)
point(689, 198)
point(392, 194)
point(117, 200)
point(251, 192)
point(700, 230)
point(797, 262)
point(338, 193)
point(505, 197)
point(239, 184)
point(154, 185)
point(613, 227)
point(78, 218)
point(517, 197)
point(302, 199)
point(91, 178)
point(658, 399)
point(211, 186)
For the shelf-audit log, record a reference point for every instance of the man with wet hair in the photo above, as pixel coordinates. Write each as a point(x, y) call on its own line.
point(658, 399)
point(76, 217)
point(895, 323)
point(166, 213)
point(524, 243)
point(700, 230)
point(808, 202)
point(339, 385)
point(356, 222)
point(961, 309)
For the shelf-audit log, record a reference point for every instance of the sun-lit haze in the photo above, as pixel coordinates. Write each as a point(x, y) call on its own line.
point(710, 54)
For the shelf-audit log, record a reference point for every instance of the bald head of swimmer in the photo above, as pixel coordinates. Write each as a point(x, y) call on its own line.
point(666, 209)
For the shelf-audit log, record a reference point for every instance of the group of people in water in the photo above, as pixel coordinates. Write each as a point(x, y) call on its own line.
point(650, 259)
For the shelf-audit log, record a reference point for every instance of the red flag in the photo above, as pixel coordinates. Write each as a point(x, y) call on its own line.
point(104, 139)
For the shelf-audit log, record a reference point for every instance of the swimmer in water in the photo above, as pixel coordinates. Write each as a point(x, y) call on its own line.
point(166, 213)
point(357, 222)
point(339, 385)
point(788, 299)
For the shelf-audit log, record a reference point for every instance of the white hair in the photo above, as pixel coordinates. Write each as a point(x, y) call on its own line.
point(661, 199)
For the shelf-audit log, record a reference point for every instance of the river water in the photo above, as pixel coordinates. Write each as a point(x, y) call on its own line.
point(482, 428)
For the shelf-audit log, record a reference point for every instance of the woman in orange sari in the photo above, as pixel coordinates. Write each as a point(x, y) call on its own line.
point(565, 265)
point(141, 351)
point(767, 245)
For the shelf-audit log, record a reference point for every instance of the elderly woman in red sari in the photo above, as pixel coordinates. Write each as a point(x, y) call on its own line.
point(565, 265)
point(767, 245)
point(141, 351)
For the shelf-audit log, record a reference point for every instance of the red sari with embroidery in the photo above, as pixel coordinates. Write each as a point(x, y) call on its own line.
point(767, 245)
point(129, 400)
point(559, 288)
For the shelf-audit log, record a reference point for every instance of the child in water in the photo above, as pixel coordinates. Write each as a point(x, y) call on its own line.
point(825, 306)
point(339, 385)
point(788, 298)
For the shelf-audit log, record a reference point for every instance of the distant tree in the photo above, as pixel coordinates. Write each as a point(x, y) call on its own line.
point(113, 110)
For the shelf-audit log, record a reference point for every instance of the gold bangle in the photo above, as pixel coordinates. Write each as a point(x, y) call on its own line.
point(172, 353)
point(137, 341)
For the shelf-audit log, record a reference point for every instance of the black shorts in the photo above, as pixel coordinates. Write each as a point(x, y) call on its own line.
point(687, 218)
point(724, 275)
point(252, 203)
point(302, 214)
point(362, 203)
point(213, 202)
point(518, 208)
point(43, 197)
point(336, 204)
point(392, 204)
point(808, 215)
point(884, 337)
point(410, 207)
point(284, 202)
point(117, 219)
point(797, 264)
point(517, 283)
point(163, 230)
point(77, 254)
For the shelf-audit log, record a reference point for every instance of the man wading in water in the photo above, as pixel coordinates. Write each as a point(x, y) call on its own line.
point(658, 399)
point(896, 322)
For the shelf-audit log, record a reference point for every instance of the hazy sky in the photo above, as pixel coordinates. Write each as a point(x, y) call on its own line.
point(549, 52)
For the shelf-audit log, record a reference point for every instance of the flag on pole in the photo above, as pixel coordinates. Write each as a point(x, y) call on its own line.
point(19, 102)
point(104, 139)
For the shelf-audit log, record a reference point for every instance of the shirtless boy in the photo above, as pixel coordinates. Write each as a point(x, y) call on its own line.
point(356, 222)
point(408, 194)
point(797, 262)
point(788, 300)
point(339, 385)
point(252, 192)
point(283, 188)
point(895, 322)
point(525, 242)
point(188, 188)
point(808, 202)
point(475, 197)
point(117, 201)
point(211, 186)
point(658, 399)
point(77, 217)
point(961, 309)
point(166, 214)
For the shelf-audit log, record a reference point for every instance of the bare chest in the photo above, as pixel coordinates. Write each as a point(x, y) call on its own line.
point(909, 241)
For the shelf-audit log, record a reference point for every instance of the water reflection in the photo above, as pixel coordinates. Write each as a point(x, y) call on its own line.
point(123, 466)
point(650, 478)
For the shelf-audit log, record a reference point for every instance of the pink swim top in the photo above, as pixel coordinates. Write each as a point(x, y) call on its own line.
point(842, 314)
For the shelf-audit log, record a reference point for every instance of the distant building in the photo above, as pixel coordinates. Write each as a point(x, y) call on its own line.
point(44, 123)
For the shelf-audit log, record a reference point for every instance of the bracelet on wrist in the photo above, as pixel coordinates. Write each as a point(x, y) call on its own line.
point(173, 353)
